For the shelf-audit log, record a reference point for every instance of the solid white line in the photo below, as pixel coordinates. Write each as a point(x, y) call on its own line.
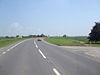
point(56, 72)
point(42, 54)
point(4, 53)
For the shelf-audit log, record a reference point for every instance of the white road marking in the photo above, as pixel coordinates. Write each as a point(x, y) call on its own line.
point(34, 42)
point(36, 46)
point(13, 47)
point(56, 72)
point(8, 50)
point(4, 53)
point(42, 54)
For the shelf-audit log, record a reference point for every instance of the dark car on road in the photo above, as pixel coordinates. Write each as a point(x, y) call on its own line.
point(39, 39)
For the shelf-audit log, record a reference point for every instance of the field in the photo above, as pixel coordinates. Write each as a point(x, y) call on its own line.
point(8, 41)
point(69, 41)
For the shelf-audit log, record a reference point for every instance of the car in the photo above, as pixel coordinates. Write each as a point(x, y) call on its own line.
point(39, 39)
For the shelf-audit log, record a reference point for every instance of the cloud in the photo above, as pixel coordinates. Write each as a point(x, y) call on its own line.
point(16, 28)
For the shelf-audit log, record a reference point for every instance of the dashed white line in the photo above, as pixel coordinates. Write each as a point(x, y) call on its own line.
point(13, 47)
point(54, 69)
point(34, 42)
point(42, 54)
point(56, 72)
point(36, 46)
point(4, 53)
point(8, 50)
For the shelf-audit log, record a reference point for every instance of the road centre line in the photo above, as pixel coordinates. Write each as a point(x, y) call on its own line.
point(56, 71)
point(35, 44)
point(4, 53)
point(42, 54)
point(8, 49)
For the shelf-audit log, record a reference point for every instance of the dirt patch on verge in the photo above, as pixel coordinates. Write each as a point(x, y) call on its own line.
point(91, 51)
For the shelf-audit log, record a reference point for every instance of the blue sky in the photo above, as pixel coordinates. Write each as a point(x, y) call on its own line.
point(51, 17)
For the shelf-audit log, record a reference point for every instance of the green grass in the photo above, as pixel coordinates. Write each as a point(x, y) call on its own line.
point(69, 41)
point(8, 41)
point(80, 38)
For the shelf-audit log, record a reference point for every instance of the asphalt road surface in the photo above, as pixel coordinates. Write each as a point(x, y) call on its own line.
point(32, 57)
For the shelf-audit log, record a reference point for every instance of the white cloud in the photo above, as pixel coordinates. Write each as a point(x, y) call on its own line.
point(16, 28)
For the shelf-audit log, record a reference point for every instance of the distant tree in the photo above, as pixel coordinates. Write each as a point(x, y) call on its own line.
point(12, 37)
point(42, 35)
point(30, 36)
point(7, 37)
point(37, 35)
point(23, 36)
point(17, 36)
point(64, 36)
point(94, 35)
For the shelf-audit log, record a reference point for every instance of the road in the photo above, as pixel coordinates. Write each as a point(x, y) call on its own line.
point(32, 57)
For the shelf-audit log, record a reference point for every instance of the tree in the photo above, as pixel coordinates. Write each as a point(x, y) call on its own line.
point(7, 37)
point(64, 36)
point(94, 35)
point(17, 36)
point(42, 35)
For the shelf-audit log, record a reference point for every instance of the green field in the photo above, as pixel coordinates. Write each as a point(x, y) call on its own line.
point(8, 41)
point(69, 41)
point(80, 38)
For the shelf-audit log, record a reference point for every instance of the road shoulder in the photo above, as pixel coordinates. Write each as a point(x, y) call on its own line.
point(90, 52)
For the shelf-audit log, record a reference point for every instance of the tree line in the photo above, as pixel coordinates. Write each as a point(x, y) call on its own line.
point(28, 36)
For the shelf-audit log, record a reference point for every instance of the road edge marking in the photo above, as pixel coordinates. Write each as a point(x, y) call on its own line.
point(12, 47)
point(4, 53)
point(56, 71)
point(15, 45)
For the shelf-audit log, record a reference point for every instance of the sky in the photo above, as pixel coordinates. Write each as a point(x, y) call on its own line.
point(50, 17)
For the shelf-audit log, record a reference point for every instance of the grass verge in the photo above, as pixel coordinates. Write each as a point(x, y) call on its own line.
point(70, 41)
point(8, 41)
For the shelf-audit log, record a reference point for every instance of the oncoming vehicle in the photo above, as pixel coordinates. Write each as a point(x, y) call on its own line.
point(39, 39)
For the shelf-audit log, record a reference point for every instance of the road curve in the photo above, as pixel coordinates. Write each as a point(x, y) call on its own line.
point(32, 57)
